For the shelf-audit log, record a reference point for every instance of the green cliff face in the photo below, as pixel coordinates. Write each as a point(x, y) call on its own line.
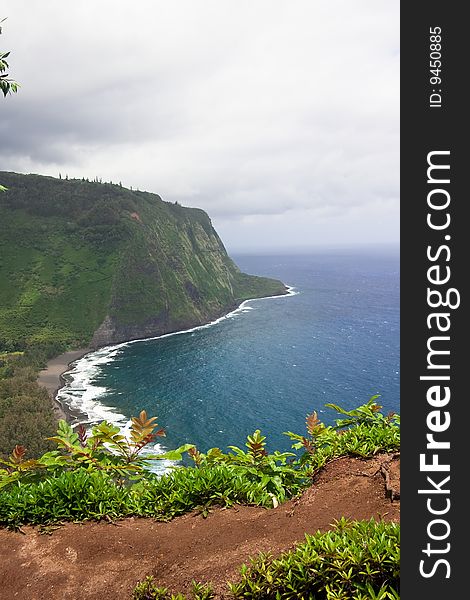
point(84, 263)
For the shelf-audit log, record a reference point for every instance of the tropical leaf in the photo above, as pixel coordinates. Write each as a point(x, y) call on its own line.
point(176, 454)
point(18, 454)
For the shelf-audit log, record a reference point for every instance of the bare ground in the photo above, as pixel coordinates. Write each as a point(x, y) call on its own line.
point(96, 560)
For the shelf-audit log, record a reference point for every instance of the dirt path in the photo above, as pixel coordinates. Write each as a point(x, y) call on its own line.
point(101, 560)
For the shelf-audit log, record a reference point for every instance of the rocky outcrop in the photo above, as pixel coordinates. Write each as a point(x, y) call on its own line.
point(112, 332)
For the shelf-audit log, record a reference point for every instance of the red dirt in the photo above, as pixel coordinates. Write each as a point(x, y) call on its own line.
point(102, 560)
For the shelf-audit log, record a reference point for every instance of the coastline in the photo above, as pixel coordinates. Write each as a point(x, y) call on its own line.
point(51, 377)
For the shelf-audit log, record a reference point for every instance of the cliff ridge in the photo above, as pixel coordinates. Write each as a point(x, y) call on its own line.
point(90, 264)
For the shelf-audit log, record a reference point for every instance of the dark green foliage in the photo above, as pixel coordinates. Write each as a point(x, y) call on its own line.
point(37, 354)
point(83, 494)
point(186, 488)
point(26, 416)
point(75, 495)
point(73, 252)
point(356, 560)
point(24, 419)
point(276, 473)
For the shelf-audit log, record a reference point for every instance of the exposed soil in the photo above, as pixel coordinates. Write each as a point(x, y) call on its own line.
point(103, 560)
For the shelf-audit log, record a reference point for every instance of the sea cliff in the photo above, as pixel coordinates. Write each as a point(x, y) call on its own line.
point(86, 263)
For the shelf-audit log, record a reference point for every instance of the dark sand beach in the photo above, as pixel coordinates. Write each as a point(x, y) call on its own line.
point(51, 379)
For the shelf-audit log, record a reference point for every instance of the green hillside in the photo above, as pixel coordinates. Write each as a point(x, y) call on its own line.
point(86, 263)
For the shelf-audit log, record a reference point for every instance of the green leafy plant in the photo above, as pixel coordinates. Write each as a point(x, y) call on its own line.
point(106, 449)
point(16, 466)
point(364, 433)
point(202, 591)
point(273, 472)
point(319, 436)
point(356, 559)
point(84, 493)
point(368, 413)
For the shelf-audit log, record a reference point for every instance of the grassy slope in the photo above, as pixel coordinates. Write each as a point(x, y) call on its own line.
point(52, 284)
point(73, 252)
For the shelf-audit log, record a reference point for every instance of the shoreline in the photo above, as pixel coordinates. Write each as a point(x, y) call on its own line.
point(51, 377)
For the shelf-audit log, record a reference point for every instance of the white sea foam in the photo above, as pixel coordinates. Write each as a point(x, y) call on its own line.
point(83, 394)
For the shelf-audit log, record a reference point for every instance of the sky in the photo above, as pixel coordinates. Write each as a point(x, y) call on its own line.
point(279, 118)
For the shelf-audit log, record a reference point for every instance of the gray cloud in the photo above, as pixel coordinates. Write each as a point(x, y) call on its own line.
point(258, 111)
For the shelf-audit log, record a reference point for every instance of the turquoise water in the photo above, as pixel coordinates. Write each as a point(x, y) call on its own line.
point(267, 365)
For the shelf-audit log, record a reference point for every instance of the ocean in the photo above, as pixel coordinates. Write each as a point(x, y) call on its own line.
point(265, 366)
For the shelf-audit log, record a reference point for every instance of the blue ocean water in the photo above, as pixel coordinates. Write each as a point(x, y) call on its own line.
point(265, 366)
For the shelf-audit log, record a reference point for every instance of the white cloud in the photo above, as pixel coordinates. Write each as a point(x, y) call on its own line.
point(281, 111)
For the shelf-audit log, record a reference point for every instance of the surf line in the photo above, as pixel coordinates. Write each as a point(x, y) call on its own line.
point(67, 395)
point(291, 291)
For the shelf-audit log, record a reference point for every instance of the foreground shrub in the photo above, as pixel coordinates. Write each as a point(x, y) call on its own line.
point(357, 560)
point(82, 494)
point(223, 485)
point(365, 433)
point(70, 496)
point(277, 473)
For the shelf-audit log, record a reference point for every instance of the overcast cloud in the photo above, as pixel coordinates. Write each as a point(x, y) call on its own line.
point(279, 118)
